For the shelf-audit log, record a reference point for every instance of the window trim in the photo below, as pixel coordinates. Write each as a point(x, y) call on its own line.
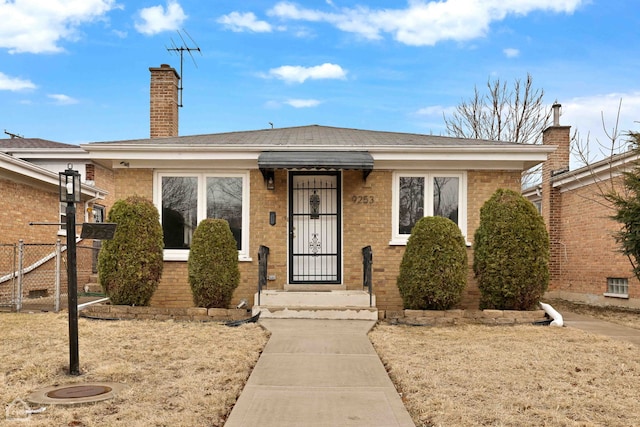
point(401, 239)
point(610, 284)
point(183, 254)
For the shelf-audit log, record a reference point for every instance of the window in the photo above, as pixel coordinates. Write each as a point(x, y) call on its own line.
point(617, 287)
point(186, 199)
point(427, 194)
point(63, 218)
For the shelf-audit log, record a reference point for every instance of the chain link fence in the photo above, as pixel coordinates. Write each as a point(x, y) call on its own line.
point(33, 276)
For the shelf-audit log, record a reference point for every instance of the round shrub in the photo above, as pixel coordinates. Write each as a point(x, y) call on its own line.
point(433, 272)
point(213, 264)
point(511, 253)
point(130, 264)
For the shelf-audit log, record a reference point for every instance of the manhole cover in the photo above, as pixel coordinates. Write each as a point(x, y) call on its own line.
point(71, 394)
point(76, 392)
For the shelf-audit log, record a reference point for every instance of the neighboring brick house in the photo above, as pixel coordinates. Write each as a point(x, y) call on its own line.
point(29, 188)
point(586, 264)
point(314, 195)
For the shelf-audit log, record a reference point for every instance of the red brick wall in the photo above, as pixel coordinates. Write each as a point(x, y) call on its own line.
point(163, 102)
point(588, 253)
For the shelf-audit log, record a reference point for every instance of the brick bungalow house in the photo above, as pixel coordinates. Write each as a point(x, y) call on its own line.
point(29, 192)
point(314, 195)
point(586, 265)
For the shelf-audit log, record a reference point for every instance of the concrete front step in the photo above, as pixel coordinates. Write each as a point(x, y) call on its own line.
point(332, 304)
point(331, 298)
point(330, 313)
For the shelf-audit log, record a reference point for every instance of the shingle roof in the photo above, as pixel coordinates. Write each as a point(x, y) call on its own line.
point(312, 135)
point(25, 143)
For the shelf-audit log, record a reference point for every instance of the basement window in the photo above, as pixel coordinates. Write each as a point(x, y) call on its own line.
point(617, 287)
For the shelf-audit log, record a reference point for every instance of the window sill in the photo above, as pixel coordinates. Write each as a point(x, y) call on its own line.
point(403, 242)
point(610, 295)
point(183, 255)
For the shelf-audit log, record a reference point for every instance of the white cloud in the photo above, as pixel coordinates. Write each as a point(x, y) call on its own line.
point(298, 74)
point(511, 52)
point(435, 111)
point(424, 23)
point(14, 84)
point(586, 114)
point(39, 26)
point(155, 19)
point(61, 99)
point(303, 103)
point(239, 22)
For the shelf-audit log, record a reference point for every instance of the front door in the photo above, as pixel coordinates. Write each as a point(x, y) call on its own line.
point(314, 228)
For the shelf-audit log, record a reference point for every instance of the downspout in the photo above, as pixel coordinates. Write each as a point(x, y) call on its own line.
point(557, 317)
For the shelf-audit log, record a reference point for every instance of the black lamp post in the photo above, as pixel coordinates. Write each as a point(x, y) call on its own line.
point(70, 193)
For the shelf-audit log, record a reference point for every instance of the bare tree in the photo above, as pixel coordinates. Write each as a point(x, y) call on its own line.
point(515, 114)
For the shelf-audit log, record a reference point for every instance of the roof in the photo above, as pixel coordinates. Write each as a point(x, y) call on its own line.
point(312, 135)
point(27, 143)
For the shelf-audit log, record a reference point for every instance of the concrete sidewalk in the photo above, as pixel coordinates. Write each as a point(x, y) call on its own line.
point(319, 373)
point(601, 327)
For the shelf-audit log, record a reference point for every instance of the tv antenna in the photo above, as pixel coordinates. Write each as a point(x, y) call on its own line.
point(180, 50)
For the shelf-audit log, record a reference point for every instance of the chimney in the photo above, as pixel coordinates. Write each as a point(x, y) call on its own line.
point(164, 102)
point(556, 164)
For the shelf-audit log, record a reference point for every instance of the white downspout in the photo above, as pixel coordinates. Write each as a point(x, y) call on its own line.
point(557, 317)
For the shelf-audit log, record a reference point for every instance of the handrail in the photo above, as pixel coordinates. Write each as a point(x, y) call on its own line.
point(367, 279)
point(263, 258)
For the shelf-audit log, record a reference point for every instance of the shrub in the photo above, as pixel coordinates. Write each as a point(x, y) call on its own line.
point(130, 265)
point(433, 272)
point(511, 253)
point(213, 264)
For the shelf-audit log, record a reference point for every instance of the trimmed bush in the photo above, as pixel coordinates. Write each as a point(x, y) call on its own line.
point(130, 265)
point(433, 272)
point(213, 264)
point(511, 253)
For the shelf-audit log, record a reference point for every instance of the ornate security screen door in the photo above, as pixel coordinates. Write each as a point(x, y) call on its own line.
point(314, 228)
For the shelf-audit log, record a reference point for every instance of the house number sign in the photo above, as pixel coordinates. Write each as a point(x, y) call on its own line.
point(363, 200)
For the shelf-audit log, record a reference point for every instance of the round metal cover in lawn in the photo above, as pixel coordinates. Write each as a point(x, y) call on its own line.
point(72, 394)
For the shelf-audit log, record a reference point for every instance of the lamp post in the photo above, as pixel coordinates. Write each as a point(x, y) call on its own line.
point(70, 193)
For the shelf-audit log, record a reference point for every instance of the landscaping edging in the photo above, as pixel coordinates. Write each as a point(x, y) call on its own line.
point(459, 317)
point(406, 317)
point(193, 314)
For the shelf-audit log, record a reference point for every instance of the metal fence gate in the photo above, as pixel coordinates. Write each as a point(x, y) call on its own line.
point(33, 276)
point(315, 245)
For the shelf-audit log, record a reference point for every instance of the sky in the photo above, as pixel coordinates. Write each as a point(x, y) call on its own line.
point(77, 71)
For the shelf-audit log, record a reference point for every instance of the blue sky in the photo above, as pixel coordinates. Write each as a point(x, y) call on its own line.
point(77, 70)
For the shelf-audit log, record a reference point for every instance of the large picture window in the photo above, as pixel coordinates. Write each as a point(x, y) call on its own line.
point(427, 194)
point(186, 199)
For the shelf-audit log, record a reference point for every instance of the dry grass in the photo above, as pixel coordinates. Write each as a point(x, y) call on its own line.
point(511, 376)
point(179, 374)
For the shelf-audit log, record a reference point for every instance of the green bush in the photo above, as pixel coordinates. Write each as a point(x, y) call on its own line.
point(213, 264)
point(130, 265)
point(433, 272)
point(511, 253)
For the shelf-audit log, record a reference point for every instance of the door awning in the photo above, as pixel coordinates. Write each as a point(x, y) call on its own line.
point(332, 160)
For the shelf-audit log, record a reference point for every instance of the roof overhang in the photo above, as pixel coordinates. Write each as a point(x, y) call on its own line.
point(330, 160)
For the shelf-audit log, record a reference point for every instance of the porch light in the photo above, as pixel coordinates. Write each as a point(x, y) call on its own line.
point(269, 179)
point(70, 185)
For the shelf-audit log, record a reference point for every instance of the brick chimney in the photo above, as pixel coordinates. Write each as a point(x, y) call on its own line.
point(164, 102)
point(557, 163)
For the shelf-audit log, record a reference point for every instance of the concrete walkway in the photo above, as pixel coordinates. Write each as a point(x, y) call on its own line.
point(319, 373)
point(601, 327)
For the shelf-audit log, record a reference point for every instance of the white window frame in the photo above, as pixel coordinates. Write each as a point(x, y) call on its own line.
point(62, 216)
point(401, 239)
point(183, 254)
point(617, 282)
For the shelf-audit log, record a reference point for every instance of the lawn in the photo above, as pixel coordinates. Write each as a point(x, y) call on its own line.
point(177, 373)
point(190, 374)
point(476, 375)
